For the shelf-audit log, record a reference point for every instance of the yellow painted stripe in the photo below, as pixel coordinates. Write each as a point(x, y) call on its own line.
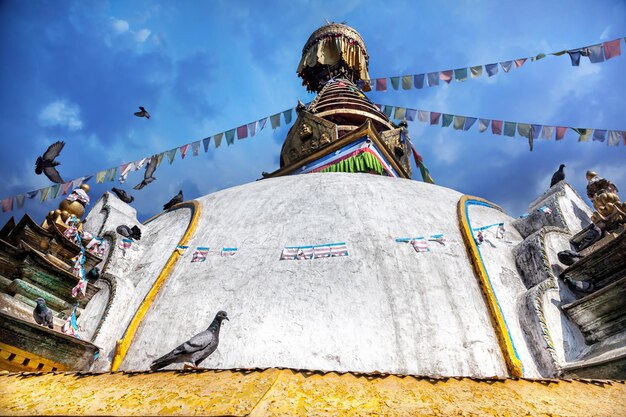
point(122, 346)
point(514, 365)
point(12, 358)
point(286, 392)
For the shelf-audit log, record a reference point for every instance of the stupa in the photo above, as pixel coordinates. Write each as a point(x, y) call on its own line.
point(351, 288)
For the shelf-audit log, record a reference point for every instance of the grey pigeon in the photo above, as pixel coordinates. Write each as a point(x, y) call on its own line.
point(178, 198)
point(559, 175)
point(147, 176)
point(568, 257)
point(142, 113)
point(46, 163)
point(123, 195)
point(93, 274)
point(132, 233)
point(42, 314)
point(196, 349)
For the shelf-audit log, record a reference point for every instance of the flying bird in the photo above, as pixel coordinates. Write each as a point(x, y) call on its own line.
point(147, 176)
point(123, 195)
point(132, 233)
point(178, 198)
point(568, 257)
point(42, 314)
point(559, 175)
point(46, 163)
point(196, 349)
point(142, 113)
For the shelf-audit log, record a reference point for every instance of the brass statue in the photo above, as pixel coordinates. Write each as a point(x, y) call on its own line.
point(610, 212)
point(73, 205)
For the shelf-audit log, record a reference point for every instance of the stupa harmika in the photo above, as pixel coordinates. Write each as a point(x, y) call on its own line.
point(489, 299)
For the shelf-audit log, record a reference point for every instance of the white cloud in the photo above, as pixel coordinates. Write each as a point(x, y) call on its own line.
point(120, 26)
point(61, 113)
point(142, 35)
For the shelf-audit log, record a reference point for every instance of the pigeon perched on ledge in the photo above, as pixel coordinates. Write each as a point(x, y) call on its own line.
point(558, 176)
point(568, 257)
point(196, 349)
point(178, 198)
point(123, 195)
point(42, 314)
point(132, 233)
point(46, 163)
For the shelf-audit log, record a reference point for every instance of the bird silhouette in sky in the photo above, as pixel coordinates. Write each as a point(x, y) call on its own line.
point(46, 163)
point(142, 113)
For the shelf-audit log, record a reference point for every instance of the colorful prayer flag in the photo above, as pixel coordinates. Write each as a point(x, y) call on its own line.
point(469, 122)
point(388, 110)
point(159, 158)
point(275, 120)
point(183, 151)
point(252, 128)
point(547, 132)
point(460, 74)
point(506, 65)
point(459, 121)
point(407, 82)
point(574, 56)
point(612, 49)
point(242, 132)
point(262, 123)
point(496, 127)
point(395, 82)
point(111, 173)
point(200, 254)
point(599, 135)
point(509, 129)
point(446, 76)
point(422, 116)
point(596, 53)
point(19, 200)
point(171, 154)
point(230, 136)
point(195, 148)
point(433, 79)
point(400, 113)
point(446, 120)
point(560, 132)
point(434, 118)
point(381, 84)
point(228, 251)
point(287, 115)
point(476, 71)
point(613, 141)
point(180, 249)
point(100, 177)
point(7, 204)
point(483, 124)
point(523, 129)
point(410, 114)
point(54, 190)
point(536, 131)
point(206, 142)
point(584, 134)
point(492, 69)
point(520, 62)
point(124, 171)
point(218, 139)
point(418, 81)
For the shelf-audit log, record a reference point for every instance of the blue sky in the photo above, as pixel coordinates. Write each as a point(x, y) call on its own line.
point(76, 71)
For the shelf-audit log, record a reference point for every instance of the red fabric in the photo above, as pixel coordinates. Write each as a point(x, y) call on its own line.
point(381, 84)
point(183, 150)
point(520, 62)
point(446, 76)
point(416, 156)
point(612, 48)
point(7, 204)
point(624, 137)
point(496, 127)
point(242, 132)
point(560, 132)
point(434, 118)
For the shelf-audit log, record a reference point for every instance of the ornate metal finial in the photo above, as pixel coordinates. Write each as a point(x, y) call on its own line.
point(73, 205)
point(333, 50)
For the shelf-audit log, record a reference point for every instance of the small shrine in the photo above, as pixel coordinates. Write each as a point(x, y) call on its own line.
point(48, 261)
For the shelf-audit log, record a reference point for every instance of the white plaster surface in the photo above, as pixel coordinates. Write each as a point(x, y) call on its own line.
point(507, 284)
point(383, 308)
point(134, 270)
